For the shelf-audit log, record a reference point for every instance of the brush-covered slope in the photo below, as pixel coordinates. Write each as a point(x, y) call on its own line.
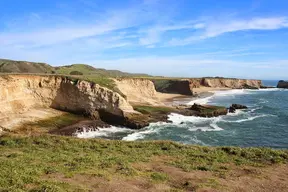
point(89, 70)
point(10, 66)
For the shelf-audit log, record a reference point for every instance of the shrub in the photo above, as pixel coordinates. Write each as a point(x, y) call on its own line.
point(76, 73)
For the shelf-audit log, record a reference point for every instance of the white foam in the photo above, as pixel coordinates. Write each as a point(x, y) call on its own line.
point(178, 119)
point(248, 119)
point(268, 89)
point(231, 92)
point(222, 93)
point(237, 112)
point(152, 128)
point(215, 126)
point(88, 133)
point(225, 93)
point(255, 109)
point(200, 101)
point(137, 135)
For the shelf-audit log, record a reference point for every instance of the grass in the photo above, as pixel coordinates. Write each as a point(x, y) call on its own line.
point(153, 109)
point(91, 71)
point(33, 163)
point(46, 125)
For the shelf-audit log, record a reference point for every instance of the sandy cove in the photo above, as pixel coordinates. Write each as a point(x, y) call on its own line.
point(200, 93)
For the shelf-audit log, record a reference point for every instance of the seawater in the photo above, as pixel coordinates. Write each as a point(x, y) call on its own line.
point(264, 123)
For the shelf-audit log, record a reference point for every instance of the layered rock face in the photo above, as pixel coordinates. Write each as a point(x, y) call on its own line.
point(186, 86)
point(230, 83)
point(138, 90)
point(174, 86)
point(282, 84)
point(21, 93)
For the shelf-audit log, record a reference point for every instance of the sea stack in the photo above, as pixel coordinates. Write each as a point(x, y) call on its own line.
point(282, 84)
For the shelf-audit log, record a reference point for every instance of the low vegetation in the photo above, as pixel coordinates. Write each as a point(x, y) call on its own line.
point(10, 66)
point(56, 163)
point(46, 125)
point(145, 109)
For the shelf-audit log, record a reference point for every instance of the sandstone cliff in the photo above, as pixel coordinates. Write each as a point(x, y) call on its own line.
point(282, 84)
point(23, 93)
point(174, 86)
point(138, 90)
point(230, 83)
point(187, 86)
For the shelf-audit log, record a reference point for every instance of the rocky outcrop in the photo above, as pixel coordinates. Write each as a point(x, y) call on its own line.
point(187, 86)
point(21, 93)
point(181, 86)
point(138, 90)
point(282, 84)
point(234, 107)
point(208, 110)
point(231, 83)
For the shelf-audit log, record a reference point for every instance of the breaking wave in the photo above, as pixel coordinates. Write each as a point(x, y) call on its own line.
point(101, 132)
point(208, 131)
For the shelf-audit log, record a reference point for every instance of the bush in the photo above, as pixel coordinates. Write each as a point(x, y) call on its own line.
point(76, 73)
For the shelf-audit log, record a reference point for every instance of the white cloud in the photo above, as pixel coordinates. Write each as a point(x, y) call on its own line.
point(46, 32)
point(153, 34)
point(272, 23)
point(212, 28)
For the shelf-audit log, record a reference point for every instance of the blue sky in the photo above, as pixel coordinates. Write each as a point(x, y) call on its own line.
point(192, 38)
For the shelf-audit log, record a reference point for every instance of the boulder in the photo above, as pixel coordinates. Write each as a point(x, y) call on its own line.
point(233, 107)
point(238, 106)
point(208, 110)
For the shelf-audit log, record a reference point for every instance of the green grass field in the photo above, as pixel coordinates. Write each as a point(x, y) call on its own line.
point(53, 163)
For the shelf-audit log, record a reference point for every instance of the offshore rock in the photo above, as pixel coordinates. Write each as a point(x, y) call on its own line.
point(208, 110)
point(282, 84)
point(234, 107)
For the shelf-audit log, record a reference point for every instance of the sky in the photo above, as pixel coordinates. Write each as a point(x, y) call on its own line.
point(187, 38)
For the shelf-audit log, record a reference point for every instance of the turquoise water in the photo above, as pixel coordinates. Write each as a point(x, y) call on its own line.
point(265, 123)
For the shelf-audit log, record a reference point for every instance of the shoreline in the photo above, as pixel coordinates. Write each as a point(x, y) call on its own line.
point(201, 93)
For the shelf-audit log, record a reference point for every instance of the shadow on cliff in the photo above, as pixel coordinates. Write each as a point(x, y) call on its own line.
point(70, 99)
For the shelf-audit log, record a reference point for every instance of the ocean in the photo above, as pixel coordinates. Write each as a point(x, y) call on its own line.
point(264, 123)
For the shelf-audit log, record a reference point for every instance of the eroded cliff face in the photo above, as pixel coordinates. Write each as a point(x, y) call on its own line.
point(156, 91)
point(187, 86)
point(138, 90)
point(24, 93)
point(230, 83)
point(181, 86)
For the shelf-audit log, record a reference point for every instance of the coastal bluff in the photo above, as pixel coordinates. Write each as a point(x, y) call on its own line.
point(282, 84)
point(24, 96)
point(32, 97)
point(192, 86)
